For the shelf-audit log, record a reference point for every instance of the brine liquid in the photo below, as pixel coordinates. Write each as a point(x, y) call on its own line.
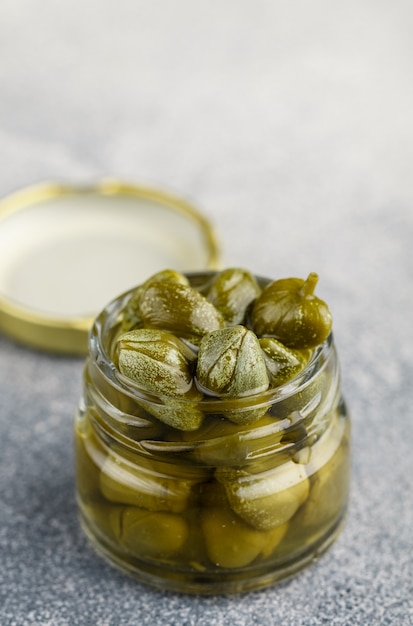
point(196, 521)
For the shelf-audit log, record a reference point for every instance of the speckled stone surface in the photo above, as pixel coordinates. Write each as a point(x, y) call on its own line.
point(290, 125)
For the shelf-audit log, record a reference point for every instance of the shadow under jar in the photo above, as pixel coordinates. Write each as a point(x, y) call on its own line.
point(223, 508)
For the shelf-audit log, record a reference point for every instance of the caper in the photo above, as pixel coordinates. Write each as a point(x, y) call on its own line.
point(328, 468)
point(220, 441)
point(232, 292)
point(181, 414)
point(288, 310)
point(157, 360)
point(231, 543)
point(267, 499)
point(282, 363)
point(231, 364)
point(131, 315)
point(145, 485)
point(178, 308)
point(161, 363)
point(149, 534)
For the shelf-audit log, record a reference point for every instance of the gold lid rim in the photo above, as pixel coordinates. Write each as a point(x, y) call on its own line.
point(69, 335)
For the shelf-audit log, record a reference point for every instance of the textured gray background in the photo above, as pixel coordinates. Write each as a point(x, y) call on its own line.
point(290, 125)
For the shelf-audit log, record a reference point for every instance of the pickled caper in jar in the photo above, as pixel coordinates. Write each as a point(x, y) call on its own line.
point(231, 365)
point(232, 291)
point(148, 534)
point(267, 499)
point(131, 317)
point(180, 414)
point(178, 308)
point(327, 466)
point(232, 543)
point(288, 310)
point(157, 361)
point(90, 454)
point(282, 363)
point(220, 441)
point(145, 485)
point(161, 363)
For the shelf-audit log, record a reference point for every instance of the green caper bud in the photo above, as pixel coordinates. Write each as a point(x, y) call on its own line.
point(181, 414)
point(231, 365)
point(231, 543)
point(268, 499)
point(131, 316)
point(148, 534)
point(232, 292)
point(160, 363)
point(328, 468)
point(220, 441)
point(288, 310)
point(145, 485)
point(157, 360)
point(180, 309)
point(327, 465)
point(282, 363)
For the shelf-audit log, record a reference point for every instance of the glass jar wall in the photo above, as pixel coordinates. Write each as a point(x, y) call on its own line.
point(225, 507)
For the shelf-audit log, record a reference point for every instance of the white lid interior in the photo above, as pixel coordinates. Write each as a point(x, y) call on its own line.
point(69, 255)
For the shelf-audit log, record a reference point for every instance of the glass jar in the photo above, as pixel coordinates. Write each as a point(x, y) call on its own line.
point(223, 508)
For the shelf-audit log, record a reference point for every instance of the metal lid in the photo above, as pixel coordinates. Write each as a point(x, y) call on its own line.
point(66, 251)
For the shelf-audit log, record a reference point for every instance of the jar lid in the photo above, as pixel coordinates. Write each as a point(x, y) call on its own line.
point(66, 251)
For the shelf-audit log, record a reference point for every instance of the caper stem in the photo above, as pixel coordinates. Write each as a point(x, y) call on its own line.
point(308, 288)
